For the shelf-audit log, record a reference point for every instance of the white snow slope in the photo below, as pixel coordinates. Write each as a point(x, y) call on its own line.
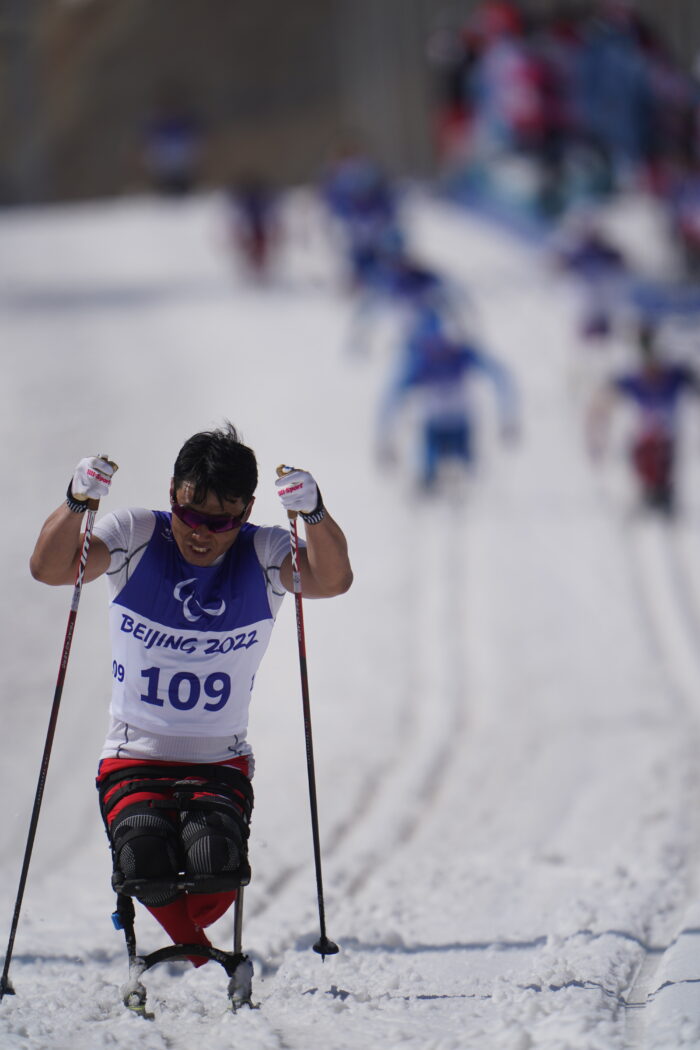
point(505, 705)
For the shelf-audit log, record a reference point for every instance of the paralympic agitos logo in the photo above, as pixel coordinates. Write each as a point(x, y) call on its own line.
point(185, 592)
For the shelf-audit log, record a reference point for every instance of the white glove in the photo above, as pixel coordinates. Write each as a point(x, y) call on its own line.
point(298, 491)
point(92, 478)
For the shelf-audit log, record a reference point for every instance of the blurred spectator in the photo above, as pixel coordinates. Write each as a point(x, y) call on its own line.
point(452, 52)
point(562, 107)
point(656, 390)
point(436, 372)
point(173, 143)
point(684, 212)
point(509, 111)
point(616, 89)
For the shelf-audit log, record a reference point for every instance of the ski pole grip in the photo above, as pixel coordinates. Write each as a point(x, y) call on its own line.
point(281, 471)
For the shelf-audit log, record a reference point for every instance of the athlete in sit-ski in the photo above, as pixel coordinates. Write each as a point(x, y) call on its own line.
point(656, 389)
point(194, 592)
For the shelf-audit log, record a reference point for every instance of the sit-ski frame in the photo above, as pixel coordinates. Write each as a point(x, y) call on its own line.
point(237, 965)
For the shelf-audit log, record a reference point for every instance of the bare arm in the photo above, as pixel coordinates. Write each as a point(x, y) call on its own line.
point(57, 552)
point(324, 564)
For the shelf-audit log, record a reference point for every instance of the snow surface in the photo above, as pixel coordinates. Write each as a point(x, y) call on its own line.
point(505, 705)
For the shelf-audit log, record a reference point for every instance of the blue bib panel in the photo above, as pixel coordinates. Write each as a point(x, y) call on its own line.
point(188, 640)
point(169, 590)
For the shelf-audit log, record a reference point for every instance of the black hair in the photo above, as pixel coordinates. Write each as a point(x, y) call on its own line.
point(217, 461)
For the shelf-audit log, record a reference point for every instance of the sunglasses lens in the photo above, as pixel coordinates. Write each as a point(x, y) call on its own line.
point(193, 519)
point(219, 525)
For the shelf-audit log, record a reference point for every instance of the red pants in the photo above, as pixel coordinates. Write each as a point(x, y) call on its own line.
point(653, 455)
point(185, 919)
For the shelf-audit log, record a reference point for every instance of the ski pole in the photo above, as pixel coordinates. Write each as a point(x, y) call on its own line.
point(92, 504)
point(323, 945)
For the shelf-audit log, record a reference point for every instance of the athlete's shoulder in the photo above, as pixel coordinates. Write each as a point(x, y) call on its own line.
point(121, 525)
point(271, 544)
point(268, 530)
point(127, 515)
point(264, 535)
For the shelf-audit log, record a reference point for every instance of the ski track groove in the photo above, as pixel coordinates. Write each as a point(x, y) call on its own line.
point(437, 764)
point(407, 810)
point(435, 767)
point(685, 603)
point(332, 841)
point(412, 809)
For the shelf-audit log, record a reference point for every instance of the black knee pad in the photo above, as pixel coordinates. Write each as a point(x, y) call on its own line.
point(145, 846)
point(214, 842)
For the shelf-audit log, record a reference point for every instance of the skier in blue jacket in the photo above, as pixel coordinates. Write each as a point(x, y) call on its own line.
point(437, 371)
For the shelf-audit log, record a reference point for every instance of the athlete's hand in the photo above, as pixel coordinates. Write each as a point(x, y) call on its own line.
point(298, 491)
point(92, 478)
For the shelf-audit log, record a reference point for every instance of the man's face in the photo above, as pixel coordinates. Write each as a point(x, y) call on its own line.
point(197, 543)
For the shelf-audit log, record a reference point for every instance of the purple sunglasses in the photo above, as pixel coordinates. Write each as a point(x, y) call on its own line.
point(214, 522)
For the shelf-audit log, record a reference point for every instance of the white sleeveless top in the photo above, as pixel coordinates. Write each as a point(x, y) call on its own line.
point(186, 640)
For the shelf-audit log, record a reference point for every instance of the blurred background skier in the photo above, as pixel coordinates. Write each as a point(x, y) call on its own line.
point(656, 389)
point(603, 274)
point(436, 374)
point(402, 289)
point(253, 223)
point(362, 204)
